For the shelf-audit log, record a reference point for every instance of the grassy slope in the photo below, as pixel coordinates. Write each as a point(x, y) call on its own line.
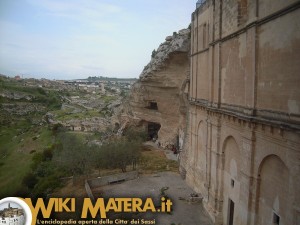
point(65, 115)
point(16, 138)
point(15, 163)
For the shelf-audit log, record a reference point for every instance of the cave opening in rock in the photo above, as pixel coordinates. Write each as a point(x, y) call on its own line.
point(153, 129)
point(152, 105)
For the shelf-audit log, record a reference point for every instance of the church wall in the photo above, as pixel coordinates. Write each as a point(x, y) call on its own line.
point(243, 124)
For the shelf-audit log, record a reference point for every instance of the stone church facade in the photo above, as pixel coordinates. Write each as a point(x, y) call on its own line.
point(242, 147)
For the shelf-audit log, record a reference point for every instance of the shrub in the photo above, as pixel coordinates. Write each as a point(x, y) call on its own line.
point(30, 180)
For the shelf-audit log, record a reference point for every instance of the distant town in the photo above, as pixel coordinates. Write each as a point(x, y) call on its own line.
point(90, 84)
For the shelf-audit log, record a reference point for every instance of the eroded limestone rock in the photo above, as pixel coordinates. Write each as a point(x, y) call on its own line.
point(158, 99)
point(179, 42)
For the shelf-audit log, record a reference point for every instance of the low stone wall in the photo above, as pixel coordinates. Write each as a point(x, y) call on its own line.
point(107, 180)
point(89, 191)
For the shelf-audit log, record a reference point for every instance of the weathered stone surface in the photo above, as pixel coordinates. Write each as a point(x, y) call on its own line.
point(158, 96)
point(15, 95)
point(177, 43)
point(242, 146)
point(169, 38)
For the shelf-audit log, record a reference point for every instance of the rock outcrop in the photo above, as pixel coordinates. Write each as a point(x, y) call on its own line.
point(158, 99)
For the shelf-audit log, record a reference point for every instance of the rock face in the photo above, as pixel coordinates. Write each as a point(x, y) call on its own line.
point(178, 43)
point(158, 99)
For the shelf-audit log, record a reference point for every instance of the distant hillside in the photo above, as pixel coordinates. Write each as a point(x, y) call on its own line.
point(100, 78)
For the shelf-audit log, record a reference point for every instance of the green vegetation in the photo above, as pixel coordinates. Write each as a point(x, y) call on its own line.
point(17, 148)
point(156, 161)
point(44, 176)
point(23, 132)
point(78, 112)
point(77, 158)
point(118, 154)
point(35, 157)
point(70, 156)
point(67, 114)
point(38, 95)
point(108, 99)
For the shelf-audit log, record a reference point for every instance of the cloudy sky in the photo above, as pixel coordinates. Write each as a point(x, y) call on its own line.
point(12, 204)
point(67, 39)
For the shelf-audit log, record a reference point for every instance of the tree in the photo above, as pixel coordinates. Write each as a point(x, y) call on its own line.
point(98, 157)
point(135, 134)
point(120, 154)
point(73, 155)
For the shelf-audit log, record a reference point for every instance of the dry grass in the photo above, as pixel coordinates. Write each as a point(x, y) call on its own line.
point(72, 189)
point(155, 161)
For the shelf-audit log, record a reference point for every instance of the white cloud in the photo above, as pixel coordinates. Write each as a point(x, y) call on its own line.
point(78, 38)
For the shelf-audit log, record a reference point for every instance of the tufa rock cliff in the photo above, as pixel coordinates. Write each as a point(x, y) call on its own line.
point(158, 99)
